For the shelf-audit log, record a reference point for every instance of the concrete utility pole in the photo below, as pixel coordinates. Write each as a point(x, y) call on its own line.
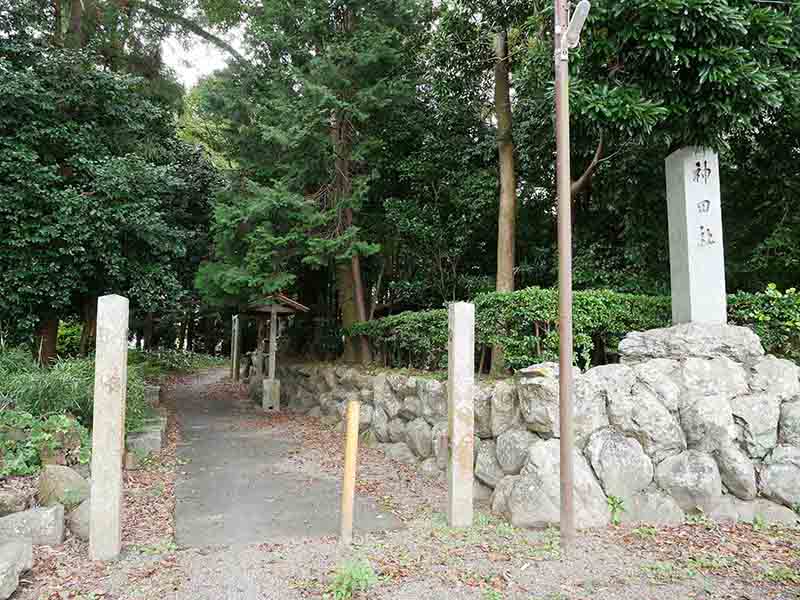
point(566, 37)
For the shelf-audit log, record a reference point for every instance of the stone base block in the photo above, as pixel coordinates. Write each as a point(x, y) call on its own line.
point(150, 439)
point(42, 526)
point(15, 558)
point(272, 395)
point(152, 395)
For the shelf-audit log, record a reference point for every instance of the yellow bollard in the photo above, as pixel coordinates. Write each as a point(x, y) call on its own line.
point(349, 483)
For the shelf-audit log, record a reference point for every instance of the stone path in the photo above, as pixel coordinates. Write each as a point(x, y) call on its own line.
point(233, 486)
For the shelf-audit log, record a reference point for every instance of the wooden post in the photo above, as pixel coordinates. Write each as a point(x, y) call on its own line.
point(349, 483)
point(273, 340)
point(236, 350)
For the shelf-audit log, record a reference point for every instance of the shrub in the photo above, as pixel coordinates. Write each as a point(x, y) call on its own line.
point(525, 324)
point(66, 388)
point(68, 342)
point(775, 317)
point(350, 578)
point(157, 364)
point(26, 439)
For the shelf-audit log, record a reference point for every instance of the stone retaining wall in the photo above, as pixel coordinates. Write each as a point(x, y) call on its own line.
point(695, 418)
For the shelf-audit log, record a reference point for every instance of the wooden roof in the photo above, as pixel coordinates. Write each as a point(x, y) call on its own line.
point(282, 303)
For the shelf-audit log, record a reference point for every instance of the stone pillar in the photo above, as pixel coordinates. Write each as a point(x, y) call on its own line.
point(696, 257)
point(460, 412)
point(108, 428)
point(236, 347)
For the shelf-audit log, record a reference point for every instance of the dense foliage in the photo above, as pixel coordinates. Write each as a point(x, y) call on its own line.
point(525, 323)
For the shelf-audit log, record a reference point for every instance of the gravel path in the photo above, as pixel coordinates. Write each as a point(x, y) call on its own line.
point(424, 559)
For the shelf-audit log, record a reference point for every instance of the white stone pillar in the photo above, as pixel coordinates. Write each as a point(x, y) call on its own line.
point(696, 257)
point(108, 427)
point(460, 412)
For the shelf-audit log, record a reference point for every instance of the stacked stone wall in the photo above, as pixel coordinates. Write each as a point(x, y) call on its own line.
point(694, 418)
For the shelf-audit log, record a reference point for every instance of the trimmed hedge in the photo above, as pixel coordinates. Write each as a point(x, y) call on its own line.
point(525, 324)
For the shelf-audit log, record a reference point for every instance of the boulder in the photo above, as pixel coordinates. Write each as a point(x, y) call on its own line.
point(78, 520)
point(411, 408)
point(433, 396)
point(400, 452)
point(620, 463)
point(487, 469)
point(777, 377)
point(718, 376)
point(505, 412)
point(502, 493)
point(704, 340)
point(42, 525)
point(736, 471)
point(756, 417)
point(384, 398)
point(439, 441)
point(657, 376)
point(61, 485)
point(535, 497)
point(789, 426)
point(16, 557)
point(402, 385)
point(12, 501)
point(397, 430)
point(592, 392)
point(255, 387)
point(538, 400)
point(692, 479)
point(482, 398)
point(512, 449)
point(365, 413)
point(418, 438)
point(643, 417)
point(732, 509)
point(480, 492)
point(780, 476)
point(707, 422)
point(429, 469)
point(653, 507)
point(544, 369)
point(380, 425)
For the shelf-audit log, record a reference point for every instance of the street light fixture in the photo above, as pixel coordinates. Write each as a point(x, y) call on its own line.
point(567, 35)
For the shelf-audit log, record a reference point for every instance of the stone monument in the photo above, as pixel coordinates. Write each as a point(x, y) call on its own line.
point(696, 257)
point(108, 427)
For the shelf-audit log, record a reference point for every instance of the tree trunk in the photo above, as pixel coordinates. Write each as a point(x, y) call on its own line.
point(347, 306)
point(89, 329)
point(148, 332)
point(57, 23)
point(46, 338)
point(190, 328)
point(506, 222)
point(75, 17)
point(343, 189)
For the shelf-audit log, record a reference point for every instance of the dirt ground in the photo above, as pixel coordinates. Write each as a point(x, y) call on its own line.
point(423, 560)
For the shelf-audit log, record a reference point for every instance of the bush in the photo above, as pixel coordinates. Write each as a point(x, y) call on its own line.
point(157, 364)
point(68, 342)
point(66, 388)
point(525, 324)
point(775, 317)
point(26, 439)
